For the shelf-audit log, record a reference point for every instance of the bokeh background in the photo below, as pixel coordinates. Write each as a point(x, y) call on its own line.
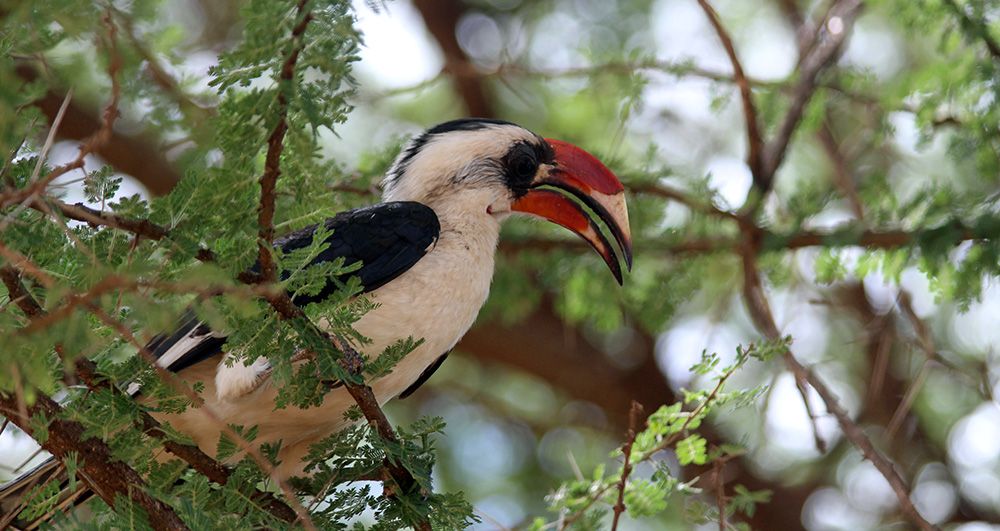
point(540, 389)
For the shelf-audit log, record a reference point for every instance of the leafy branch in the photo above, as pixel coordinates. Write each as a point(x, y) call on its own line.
point(670, 427)
point(275, 145)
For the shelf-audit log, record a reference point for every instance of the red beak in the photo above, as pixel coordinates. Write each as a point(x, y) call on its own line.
point(580, 175)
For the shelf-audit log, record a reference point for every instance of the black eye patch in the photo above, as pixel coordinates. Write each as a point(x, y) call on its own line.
point(520, 165)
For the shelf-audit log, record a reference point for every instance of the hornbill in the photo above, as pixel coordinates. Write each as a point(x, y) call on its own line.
point(427, 259)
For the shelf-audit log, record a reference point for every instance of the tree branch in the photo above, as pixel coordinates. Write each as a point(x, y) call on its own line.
point(80, 212)
point(441, 18)
point(106, 476)
point(755, 142)
point(87, 371)
point(633, 429)
point(361, 393)
point(841, 173)
point(760, 312)
point(275, 146)
point(826, 50)
point(196, 114)
point(674, 194)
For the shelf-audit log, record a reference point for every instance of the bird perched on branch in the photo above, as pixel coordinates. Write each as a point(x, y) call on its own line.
point(427, 260)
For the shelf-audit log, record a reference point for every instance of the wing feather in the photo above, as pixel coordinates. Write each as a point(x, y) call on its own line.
point(388, 239)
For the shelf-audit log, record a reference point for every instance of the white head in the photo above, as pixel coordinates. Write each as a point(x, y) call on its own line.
point(477, 166)
point(480, 169)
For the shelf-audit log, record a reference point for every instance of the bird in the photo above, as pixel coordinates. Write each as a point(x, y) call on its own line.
point(427, 256)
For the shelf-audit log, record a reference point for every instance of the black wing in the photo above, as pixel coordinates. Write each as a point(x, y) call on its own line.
point(424, 376)
point(387, 239)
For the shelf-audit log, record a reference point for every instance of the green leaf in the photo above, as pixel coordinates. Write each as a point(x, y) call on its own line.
point(691, 449)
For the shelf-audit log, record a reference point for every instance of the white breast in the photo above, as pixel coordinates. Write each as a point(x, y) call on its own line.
point(438, 299)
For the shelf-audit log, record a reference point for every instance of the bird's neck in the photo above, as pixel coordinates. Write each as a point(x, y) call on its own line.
point(473, 229)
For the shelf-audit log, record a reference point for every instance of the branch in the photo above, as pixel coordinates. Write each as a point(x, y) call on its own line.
point(926, 344)
point(512, 246)
point(849, 235)
point(755, 142)
point(841, 172)
point(673, 194)
point(361, 393)
point(760, 313)
point(18, 294)
point(595, 495)
point(80, 212)
point(441, 18)
point(87, 371)
point(821, 56)
point(978, 28)
point(138, 226)
point(196, 114)
point(105, 475)
point(633, 430)
point(275, 146)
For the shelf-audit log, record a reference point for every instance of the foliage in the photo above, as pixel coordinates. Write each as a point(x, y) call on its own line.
point(878, 229)
point(147, 282)
point(671, 429)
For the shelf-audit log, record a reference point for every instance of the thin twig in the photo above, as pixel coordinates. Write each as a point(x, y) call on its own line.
point(821, 56)
point(841, 172)
point(674, 194)
point(720, 492)
point(192, 111)
point(926, 343)
point(27, 500)
point(50, 138)
point(817, 438)
point(566, 520)
point(755, 142)
point(633, 430)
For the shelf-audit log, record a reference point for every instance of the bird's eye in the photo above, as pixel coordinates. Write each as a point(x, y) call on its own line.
point(524, 167)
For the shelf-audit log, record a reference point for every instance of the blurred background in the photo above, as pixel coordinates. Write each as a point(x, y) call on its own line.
point(902, 131)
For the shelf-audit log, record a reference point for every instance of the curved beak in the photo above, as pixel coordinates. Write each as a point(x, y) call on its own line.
point(579, 174)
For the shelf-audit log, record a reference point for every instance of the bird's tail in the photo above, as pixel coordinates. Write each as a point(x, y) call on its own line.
point(47, 483)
